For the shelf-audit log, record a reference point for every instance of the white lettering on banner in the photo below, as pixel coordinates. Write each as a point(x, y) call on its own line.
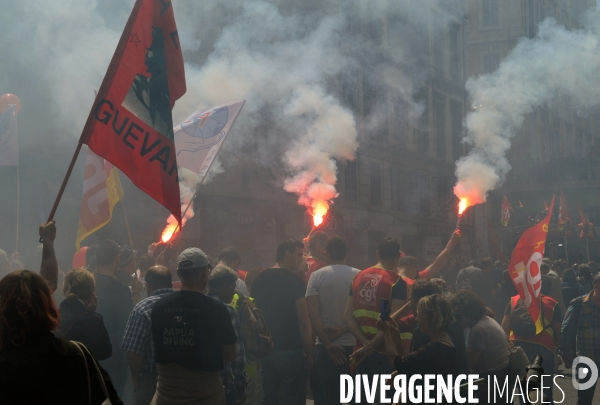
point(370, 393)
point(560, 389)
point(444, 389)
point(496, 387)
point(524, 277)
point(472, 378)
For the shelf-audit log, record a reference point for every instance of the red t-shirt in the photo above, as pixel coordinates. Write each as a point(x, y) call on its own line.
point(242, 275)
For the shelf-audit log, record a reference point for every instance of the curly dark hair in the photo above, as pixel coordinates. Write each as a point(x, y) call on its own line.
point(26, 307)
point(468, 304)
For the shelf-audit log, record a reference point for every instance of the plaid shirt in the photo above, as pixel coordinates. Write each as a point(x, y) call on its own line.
point(138, 332)
point(581, 337)
point(234, 374)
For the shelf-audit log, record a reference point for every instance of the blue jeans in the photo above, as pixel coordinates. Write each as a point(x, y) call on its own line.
point(325, 376)
point(284, 371)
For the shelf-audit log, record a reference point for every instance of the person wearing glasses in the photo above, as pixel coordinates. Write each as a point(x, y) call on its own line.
point(439, 356)
point(193, 335)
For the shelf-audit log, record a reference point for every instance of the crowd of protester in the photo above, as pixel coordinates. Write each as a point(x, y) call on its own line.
point(191, 329)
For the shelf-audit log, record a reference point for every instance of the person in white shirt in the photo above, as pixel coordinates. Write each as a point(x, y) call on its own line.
point(326, 297)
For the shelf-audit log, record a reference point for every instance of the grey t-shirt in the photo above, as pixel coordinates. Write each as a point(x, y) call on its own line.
point(331, 284)
point(489, 337)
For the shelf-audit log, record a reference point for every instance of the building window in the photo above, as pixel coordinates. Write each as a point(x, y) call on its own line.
point(398, 189)
point(439, 119)
point(351, 181)
point(453, 44)
point(376, 185)
point(490, 13)
point(417, 191)
point(456, 115)
point(491, 61)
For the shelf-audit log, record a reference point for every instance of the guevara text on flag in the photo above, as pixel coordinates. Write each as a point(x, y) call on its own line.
point(102, 190)
point(130, 123)
point(524, 267)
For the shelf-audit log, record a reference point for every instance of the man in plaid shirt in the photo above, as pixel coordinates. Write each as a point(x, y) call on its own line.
point(580, 333)
point(137, 341)
point(221, 286)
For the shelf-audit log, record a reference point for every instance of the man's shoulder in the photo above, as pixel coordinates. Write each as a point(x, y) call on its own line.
point(148, 303)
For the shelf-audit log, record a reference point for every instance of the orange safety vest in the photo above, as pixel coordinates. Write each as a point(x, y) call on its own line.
point(546, 337)
point(368, 288)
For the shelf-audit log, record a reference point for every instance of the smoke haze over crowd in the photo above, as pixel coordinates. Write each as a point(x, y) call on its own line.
point(555, 69)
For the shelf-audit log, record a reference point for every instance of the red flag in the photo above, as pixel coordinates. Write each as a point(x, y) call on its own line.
point(524, 267)
point(130, 123)
point(505, 214)
point(520, 204)
point(563, 213)
point(586, 228)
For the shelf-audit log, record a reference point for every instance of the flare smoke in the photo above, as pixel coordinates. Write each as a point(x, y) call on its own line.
point(556, 66)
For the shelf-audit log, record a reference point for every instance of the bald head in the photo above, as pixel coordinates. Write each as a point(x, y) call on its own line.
point(158, 277)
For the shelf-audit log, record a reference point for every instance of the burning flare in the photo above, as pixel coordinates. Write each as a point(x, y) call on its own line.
point(462, 206)
point(320, 209)
point(169, 230)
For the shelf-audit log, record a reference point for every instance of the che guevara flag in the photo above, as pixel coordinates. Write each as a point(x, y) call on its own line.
point(101, 192)
point(524, 267)
point(130, 123)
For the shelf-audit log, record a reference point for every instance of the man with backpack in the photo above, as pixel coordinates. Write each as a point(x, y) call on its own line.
point(580, 334)
point(520, 327)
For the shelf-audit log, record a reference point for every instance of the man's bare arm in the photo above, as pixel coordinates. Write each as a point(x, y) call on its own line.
point(435, 267)
point(49, 266)
point(351, 323)
point(135, 361)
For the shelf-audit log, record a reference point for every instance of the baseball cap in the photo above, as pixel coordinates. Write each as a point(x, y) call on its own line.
point(192, 258)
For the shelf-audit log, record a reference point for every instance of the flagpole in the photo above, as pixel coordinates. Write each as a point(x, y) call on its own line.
point(64, 183)
point(189, 204)
point(128, 230)
point(587, 248)
point(18, 190)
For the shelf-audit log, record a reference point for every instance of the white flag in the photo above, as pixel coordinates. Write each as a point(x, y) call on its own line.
point(9, 147)
point(199, 138)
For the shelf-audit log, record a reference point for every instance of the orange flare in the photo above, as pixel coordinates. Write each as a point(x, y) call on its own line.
point(168, 232)
point(462, 205)
point(319, 211)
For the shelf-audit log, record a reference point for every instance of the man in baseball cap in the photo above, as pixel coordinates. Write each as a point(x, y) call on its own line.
point(194, 335)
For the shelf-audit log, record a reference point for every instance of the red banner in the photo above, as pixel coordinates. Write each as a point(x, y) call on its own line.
point(524, 267)
point(130, 123)
point(505, 214)
point(563, 214)
point(586, 228)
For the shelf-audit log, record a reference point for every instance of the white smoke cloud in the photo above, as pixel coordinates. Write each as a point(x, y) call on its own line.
point(557, 63)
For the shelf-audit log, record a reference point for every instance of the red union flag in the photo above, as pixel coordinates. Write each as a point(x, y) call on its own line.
point(506, 209)
point(563, 213)
point(101, 192)
point(524, 267)
point(130, 123)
